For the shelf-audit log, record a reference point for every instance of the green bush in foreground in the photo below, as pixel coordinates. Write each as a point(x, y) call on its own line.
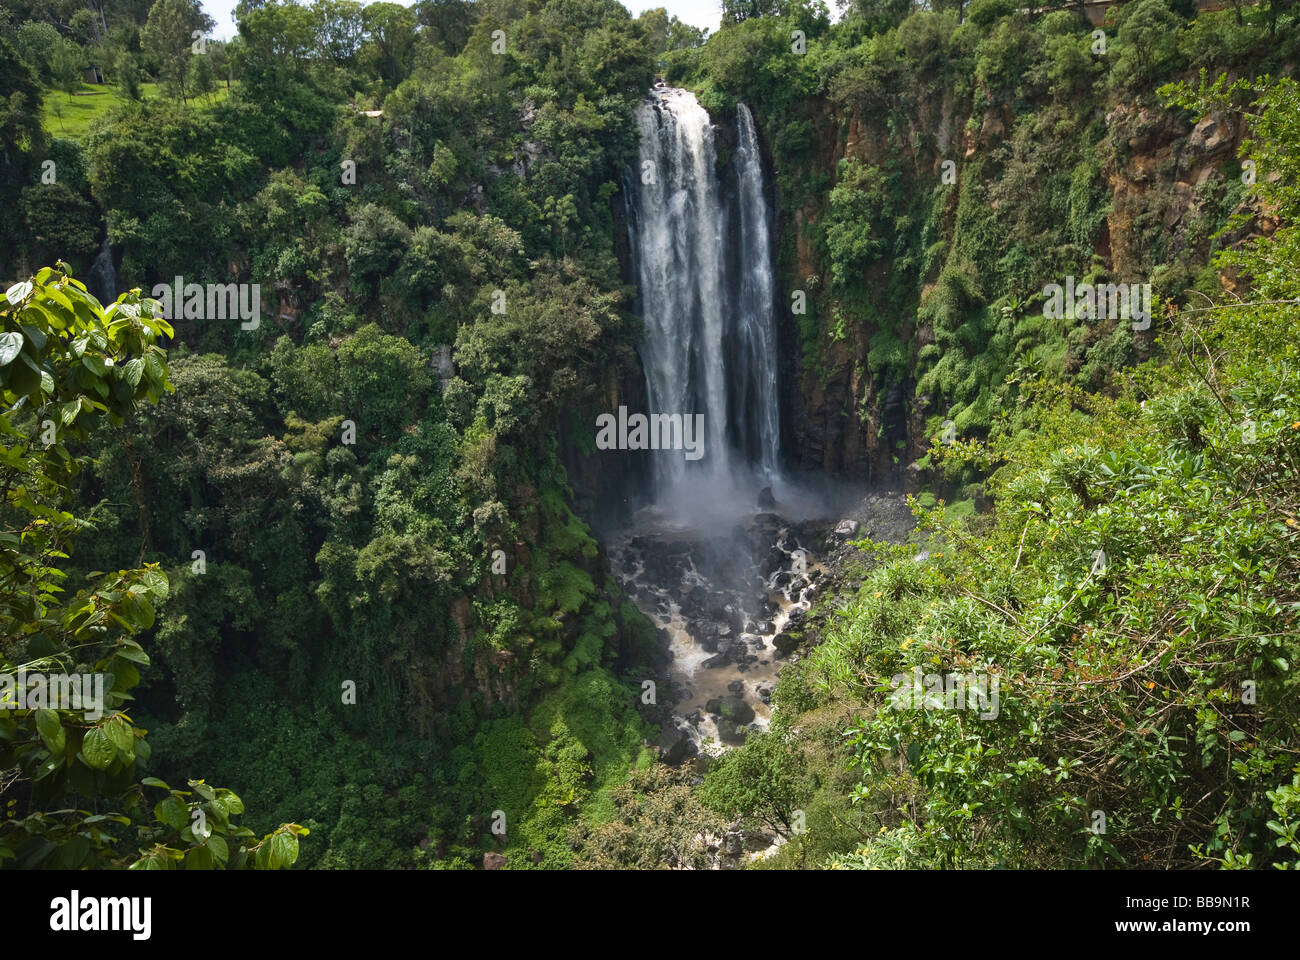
point(72, 795)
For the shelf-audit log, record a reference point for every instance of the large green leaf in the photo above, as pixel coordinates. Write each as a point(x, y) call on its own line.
point(51, 730)
point(11, 344)
point(199, 858)
point(132, 651)
point(121, 735)
point(98, 749)
point(34, 336)
point(284, 849)
point(156, 580)
point(133, 370)
point(174, 812)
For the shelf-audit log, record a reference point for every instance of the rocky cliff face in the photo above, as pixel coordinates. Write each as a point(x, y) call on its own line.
point(842, 418)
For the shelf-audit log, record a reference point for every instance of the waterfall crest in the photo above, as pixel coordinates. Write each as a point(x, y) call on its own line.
point(703, 260)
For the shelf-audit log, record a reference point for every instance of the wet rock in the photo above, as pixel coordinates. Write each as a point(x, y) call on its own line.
point(732, 708)
point(736, 687)
point(765, 499)
point(846, 528)
point(731, 733)
point(692, 606)
point(786, 642)
point(706, 635)
point(675, 742)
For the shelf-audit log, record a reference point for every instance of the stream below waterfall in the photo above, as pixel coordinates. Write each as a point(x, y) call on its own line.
point(720, 600)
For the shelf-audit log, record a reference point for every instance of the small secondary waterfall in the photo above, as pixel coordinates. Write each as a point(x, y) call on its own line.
point(103, 277)
point(704, 267)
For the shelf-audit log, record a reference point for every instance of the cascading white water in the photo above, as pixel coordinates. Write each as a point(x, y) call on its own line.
point(704, 265)
point(103, 278)
point(711, 562)
point(756, 320)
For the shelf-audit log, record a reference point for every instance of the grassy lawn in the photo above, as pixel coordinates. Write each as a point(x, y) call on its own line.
point(72, 117)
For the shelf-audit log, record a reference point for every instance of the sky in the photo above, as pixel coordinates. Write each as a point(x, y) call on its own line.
point(699, 13)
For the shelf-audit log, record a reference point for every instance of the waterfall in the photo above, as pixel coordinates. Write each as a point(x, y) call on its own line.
point(755, 304)
point(719, 565)
point(103, 278)
point(703, 261)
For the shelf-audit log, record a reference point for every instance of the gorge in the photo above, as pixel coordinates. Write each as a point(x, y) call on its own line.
point(714, 559)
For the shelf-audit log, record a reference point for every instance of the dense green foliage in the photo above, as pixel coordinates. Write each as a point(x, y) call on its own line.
point(72, 776)
point(329, 556)
point(1155, 688)
point(305, 529)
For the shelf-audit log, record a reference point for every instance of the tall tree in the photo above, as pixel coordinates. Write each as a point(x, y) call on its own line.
point(446, 22)
point(66, 64)
point(276, 42)
point(22, 137)
point(391, 31)
point(340, 28)
point(170, 34)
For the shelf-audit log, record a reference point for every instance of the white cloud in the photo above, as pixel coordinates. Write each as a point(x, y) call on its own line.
point(699, 13)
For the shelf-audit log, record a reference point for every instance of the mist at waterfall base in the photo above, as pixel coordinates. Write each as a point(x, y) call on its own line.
point(717, 558)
